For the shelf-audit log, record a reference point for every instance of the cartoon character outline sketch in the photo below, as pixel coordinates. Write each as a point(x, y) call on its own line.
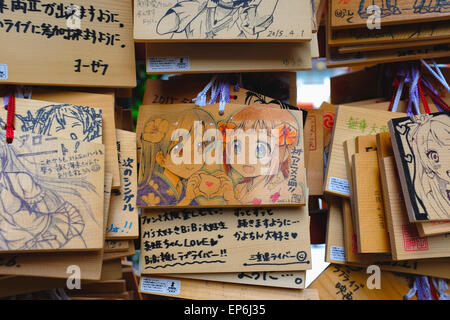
point(53, 118)
point(387, 8)
point(425, 152)
point(206, 19)
point(37, 212)
point(254, 97)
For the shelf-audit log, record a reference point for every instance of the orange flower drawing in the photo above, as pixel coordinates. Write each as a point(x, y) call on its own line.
point(223, 127)
point(286, 134)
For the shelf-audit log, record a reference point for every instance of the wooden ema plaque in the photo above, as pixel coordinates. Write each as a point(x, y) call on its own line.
point(358, 13)
point(73, 43)
point(277, 279)
point(433, 228)
point(335, 245)
point(369, 217)
point(54, 264)
point(194, 289)
point(105, 102)
point(405, 240)
point(351, 122)
point(421, 152)
point(265, 20)
point(123, 221)
point(408, 33)
point(225, 240)
point(227, 57)
point(186, 161)
point(52, 194)
point(343, 282)
point(67, 121)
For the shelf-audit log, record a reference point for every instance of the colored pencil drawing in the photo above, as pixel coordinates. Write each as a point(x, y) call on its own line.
point(271, 174)
point(206, 19)
point(79, 122)
point(242, 158)
point(38, 212)
point(161, 181)
point(424, 148)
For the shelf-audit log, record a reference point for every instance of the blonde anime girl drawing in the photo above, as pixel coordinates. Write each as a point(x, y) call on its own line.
point(426, 162)
point(163, 181)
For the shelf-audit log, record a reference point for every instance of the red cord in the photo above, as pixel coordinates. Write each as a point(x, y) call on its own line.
point(434, 292)
point(10, 119)
point(422, 97)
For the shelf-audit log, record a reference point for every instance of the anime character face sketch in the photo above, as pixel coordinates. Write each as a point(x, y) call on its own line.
point(273, 171)
point(205, 19)
point(162, 180)
point(82, 123)
point(36, 212)
point(426, 158)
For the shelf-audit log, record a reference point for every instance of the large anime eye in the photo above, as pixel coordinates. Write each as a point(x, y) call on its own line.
point(261, 151)
point(200, 147)
point(433, 156)
point(237, 147)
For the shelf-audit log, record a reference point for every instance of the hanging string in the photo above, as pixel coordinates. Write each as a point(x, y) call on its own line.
point(200, 100)
point(434, 95)
point(439, 76)
point(220, 88)
point(441, 286)
point(9, 127)
point(422, 97)
point(412, 292)
point(423, 288)
point(397, 96)
point(24, 92)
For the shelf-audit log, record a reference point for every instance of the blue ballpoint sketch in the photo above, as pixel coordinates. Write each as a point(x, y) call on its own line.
point(390, 7)
point(205, 19)
point(43, 187)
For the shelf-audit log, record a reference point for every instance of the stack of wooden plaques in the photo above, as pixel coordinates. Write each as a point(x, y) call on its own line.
point(227, 36)
point(118, 282)
point(195, 242)
point(386, 185)
point(69, 182)
point(366, 32)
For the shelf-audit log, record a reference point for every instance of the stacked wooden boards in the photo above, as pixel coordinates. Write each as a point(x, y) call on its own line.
point(85, 233)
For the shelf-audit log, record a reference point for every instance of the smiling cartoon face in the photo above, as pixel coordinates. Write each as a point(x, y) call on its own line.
point(258, 150)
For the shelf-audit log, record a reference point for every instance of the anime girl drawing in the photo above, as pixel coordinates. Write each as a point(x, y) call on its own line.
point(251, 180)
point(81, 123)
point(162, 182)
point(207, 19)
point(427, 155)
point(36, 212)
